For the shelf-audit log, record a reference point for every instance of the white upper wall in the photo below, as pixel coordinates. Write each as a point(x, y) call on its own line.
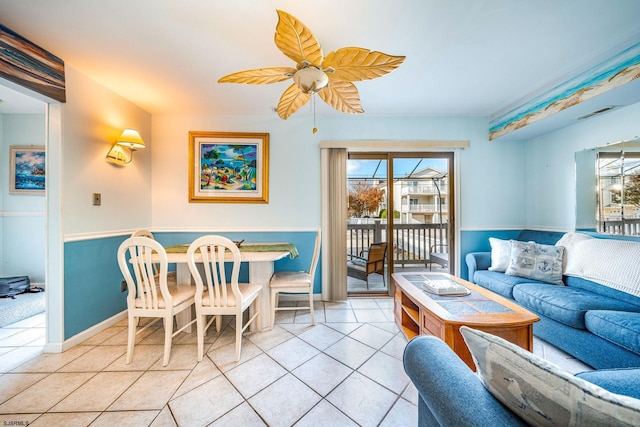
point(491, 172)
point(93, 118)
point(550, 167)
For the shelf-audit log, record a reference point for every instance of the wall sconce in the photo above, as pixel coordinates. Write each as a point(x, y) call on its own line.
point(130, 141)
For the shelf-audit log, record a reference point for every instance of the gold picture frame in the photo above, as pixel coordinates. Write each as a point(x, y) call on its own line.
point(228, 167)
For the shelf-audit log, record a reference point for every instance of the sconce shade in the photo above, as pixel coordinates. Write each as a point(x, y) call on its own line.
point(131, 139)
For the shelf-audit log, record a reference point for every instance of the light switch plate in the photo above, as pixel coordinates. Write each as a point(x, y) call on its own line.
point(97, 199)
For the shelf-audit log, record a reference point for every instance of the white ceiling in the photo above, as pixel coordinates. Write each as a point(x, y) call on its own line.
point(464, 57)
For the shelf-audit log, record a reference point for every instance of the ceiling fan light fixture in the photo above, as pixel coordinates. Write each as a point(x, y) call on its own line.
point(310, 80)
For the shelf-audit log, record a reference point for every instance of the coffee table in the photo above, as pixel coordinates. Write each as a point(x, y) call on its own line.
point(418, 312)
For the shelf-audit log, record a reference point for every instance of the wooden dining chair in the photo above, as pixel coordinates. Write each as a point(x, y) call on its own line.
point(219, 293)
point(295, 282)
point(149, 293)
point(171, 275)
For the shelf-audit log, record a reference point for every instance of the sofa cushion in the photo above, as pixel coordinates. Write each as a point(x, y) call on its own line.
point(536, 261)
point(500, 283)
point(619, 327)
point(500, 254)
point(541, 393)
point(588, 285)
point(563, 303)
point(621, 381)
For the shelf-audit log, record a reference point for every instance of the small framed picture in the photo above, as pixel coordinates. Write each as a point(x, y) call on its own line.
point(228, 167)
point(27, 170)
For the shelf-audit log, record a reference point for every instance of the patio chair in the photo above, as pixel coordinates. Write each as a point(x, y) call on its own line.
point(370, 261)
point(439, 254)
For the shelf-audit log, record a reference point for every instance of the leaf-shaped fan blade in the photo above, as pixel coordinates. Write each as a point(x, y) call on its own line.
point(343, 96)
point(353, 64)
point(259, 76)
point(296, 41)
point(291, 100)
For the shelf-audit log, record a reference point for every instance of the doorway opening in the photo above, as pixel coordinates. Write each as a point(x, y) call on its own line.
point(400, 217)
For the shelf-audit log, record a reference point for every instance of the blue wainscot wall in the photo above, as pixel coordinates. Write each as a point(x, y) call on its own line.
point(92, 277)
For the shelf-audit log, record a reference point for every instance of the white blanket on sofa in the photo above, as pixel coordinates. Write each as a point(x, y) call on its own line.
point(609, 262)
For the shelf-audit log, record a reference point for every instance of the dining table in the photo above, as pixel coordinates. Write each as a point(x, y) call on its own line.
point(260, 257)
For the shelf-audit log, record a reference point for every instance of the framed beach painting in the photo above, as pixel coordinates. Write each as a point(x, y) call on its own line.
point(27, 170)
point(228, 167)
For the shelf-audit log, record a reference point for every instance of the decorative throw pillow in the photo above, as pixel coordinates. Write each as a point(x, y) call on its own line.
point(536, 261)
point(541, 393)
point(500, 254)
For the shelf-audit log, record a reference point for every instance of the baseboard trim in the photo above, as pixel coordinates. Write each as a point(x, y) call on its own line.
point(88, 333)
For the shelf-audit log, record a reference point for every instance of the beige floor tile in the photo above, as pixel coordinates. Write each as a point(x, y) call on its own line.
point(95, 360)
point(344, 327)
point(384, 302)
point(144, 357)
point(402, 413)
point(65, 419)
point(182, 357)
point(321, 336)
point(242, 415)
point(225, 357)
point(293, 353)
point(285, 317)
point(325, 414)
point(203, 372)
point(126, 418)
point(410, 394)
point(340, 316)
point(122, 337)
point(18, 356)
point(206, 403)
point(304, 316)
point(102, 336)
point(395, 347)
point(43, 395)
point(98, 393)
point(296, 328)
point(370, 315)
point(322, 373)
point(254, 375)
point(275, 410)
point(362, 400)
point(337, 305)
point(387, 371)
point(51, 362)
point(371, 336)
point(164, 419)
point(12, 384)
point(363, 303)
point(268, 339)
point(350, 352)
point(151, 391)
point(388, 326)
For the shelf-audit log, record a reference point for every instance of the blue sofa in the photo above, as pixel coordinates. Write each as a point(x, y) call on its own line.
point(596, 324)
point(451, 394)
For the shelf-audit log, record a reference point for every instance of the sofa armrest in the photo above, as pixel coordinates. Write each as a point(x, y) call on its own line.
point(450, 393)
point(477, 261)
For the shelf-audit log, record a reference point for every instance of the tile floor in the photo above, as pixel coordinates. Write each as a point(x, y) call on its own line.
point(345, 371)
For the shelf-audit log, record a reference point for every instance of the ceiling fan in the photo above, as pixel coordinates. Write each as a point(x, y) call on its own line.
point(331, 76)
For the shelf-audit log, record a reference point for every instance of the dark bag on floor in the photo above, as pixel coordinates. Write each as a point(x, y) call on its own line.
point(11, 286)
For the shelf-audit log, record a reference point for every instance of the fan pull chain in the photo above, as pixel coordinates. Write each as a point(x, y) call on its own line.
point(315, 129)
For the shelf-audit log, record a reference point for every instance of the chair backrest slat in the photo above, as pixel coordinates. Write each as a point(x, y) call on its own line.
point(213, 252)
point(135, 254)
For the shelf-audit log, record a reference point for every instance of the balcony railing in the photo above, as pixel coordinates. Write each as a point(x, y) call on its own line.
point(412, 242)
point(423, 189)
point(629, 227)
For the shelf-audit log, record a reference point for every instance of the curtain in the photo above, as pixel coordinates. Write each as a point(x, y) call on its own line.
point(334, 223)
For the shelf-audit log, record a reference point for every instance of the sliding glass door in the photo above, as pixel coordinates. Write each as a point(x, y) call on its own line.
point(400, 205)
